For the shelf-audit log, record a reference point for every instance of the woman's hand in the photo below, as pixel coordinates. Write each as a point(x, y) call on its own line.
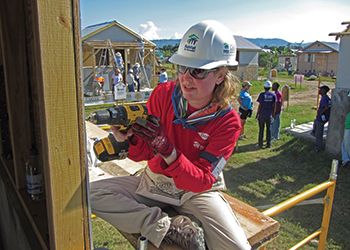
point(152, 133)
point(121, 135)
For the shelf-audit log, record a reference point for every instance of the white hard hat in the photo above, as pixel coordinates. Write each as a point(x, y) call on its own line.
point(267, 84)
point(246, 83)
point(206, 45)
point(131, 71)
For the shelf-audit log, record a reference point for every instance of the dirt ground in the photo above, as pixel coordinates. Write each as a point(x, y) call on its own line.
point(308, 95)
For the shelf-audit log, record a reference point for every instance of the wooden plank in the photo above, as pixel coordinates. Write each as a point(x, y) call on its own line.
point(258, 227)
point(62, 123)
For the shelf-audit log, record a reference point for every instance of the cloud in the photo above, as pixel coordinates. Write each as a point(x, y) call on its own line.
point(176, 36)
point(149, 30)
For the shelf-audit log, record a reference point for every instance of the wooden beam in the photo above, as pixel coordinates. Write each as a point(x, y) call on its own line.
point(62, 123)
point(116, 45)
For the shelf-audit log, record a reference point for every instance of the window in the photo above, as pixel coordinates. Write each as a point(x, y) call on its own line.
point(310, 58)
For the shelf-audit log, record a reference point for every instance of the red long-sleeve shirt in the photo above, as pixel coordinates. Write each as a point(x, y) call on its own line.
point(189, 172)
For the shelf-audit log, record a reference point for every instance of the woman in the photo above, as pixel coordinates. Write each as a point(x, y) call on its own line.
point(187, 139)
point(245, 105)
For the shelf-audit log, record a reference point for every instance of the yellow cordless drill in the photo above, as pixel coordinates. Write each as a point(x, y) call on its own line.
point(107, 148)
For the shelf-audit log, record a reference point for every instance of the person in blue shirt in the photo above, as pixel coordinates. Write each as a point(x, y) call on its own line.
point(266, 112)
point(163, 76)
point(322, 117)
point(245, 105)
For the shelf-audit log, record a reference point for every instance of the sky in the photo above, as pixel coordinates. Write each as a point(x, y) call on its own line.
point(293, 20)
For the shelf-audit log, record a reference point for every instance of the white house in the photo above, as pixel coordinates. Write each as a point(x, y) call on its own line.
point(248, 58)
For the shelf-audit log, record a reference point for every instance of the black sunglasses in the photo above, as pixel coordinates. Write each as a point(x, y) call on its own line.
point(198, 74)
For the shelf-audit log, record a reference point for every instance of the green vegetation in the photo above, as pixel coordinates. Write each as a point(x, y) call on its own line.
point(268, 176)
point(107, 236)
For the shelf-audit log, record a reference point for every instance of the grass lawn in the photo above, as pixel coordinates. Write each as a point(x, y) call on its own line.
point(263, 177)
point(269, 176)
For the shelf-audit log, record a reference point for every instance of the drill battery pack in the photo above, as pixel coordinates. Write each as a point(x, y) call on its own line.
point(108, 149)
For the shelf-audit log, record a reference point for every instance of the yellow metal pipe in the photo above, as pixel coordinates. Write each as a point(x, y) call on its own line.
point(279, 208)
point(327, 211)
point(306, 240)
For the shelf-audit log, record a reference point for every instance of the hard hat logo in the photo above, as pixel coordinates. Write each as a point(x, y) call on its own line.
point(228, 49)
point(192, 39)
point(191, 43)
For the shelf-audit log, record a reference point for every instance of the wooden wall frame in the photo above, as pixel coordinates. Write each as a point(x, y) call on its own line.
point(41, 54)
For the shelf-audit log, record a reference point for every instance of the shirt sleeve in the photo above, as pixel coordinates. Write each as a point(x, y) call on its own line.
point(139, 150)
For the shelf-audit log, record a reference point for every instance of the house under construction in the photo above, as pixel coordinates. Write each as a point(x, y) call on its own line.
point(100, 43)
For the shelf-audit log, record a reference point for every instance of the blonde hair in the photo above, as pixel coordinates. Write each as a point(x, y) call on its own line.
point(225, 92)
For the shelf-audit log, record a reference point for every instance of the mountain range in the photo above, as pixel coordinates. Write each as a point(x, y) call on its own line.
point(261, 42)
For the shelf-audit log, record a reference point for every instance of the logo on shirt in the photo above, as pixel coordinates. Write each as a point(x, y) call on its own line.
point(191, 43)
point(204, 136)
point(268, 98)
point(197, 145)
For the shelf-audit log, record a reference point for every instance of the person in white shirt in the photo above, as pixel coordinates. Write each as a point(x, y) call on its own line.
point(130, 81)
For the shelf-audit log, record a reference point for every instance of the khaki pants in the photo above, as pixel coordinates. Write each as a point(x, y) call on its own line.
point(115, 201)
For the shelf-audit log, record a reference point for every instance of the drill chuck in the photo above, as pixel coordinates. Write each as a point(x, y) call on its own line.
point(122, 115)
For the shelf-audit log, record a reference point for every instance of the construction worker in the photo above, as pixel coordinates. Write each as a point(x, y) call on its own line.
point(245, 105)
point(276, 122)
point(130, 81)
point(119, 62)
point(101, 82)
point(190, 133)
point(345, 146)
point(163, 76)
point(322, 117)
point(117, 79)
point(266, 113)
point(137, 70)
